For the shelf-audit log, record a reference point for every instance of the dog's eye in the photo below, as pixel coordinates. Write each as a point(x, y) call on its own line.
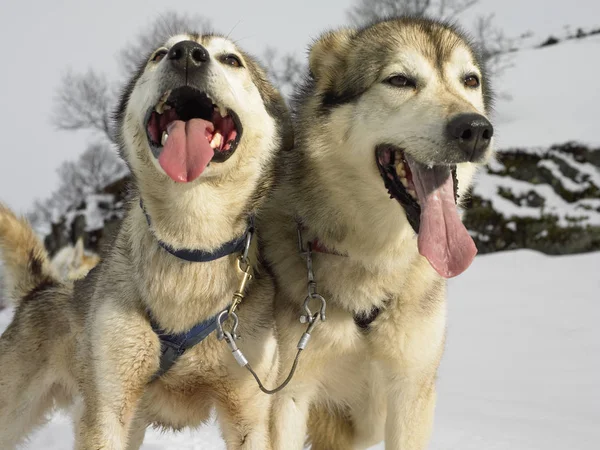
point(472, 81)
point(400, 81)
point(231, 60)
point(160, 54)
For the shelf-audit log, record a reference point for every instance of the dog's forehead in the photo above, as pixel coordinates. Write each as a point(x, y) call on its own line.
point(436, 49)
point(214, 44)
point(461, 62)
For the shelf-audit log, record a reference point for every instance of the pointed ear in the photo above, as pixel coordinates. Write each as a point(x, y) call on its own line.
point(328, 52)
point(78, 252)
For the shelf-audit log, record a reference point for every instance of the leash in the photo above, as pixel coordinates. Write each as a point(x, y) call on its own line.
point(308, 317)
point(175, 345)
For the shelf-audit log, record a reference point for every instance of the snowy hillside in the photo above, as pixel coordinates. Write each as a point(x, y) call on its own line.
point(521, 367)
point(552, 96)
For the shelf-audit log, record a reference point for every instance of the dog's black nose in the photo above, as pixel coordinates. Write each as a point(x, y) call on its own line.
point(187, 55)
point(472, 132)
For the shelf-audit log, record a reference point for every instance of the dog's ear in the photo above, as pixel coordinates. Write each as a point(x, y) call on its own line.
point(327, 52)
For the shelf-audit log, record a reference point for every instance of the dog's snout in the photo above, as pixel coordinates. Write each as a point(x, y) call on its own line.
point(187, 55)
point(473, 134)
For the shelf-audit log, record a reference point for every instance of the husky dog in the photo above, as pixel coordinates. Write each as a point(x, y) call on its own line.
point(73, 262)
point(391, 127)
point(199, 126)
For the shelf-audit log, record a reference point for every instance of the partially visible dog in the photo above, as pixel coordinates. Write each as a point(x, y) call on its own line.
point(199, 126)
point(391, 127)
point(73, 262)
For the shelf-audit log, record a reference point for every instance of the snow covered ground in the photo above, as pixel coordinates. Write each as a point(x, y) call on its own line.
point(521, 368)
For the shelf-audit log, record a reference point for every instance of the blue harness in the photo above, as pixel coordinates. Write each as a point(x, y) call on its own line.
point(174, 345)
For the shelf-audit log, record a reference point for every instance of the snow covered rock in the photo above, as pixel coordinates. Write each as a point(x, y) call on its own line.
point(547, 199)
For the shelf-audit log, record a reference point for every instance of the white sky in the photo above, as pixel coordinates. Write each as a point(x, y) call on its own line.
point(41, 39)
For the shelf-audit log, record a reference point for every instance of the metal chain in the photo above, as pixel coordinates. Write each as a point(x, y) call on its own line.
point(308, 317)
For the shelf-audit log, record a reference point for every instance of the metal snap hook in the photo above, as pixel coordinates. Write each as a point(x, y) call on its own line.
point(221, 318)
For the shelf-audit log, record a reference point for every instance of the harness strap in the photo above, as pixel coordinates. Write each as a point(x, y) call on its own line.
point(172, 346)
point(234, 246)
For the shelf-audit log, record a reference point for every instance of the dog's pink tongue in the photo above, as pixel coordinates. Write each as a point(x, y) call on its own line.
point(443, 239)
point(187, 151)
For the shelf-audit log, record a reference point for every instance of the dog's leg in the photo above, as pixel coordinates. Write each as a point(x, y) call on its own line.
point(244, 419)
point(22, 409)
point(330, 429)
point(28, 380)
point(243, 409)
point(289, 416)
point(136, 434)
point(118, 373)
point(411, 405)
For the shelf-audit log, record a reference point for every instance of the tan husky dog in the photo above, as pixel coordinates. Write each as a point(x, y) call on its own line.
point(391, 127)
point(199, 126)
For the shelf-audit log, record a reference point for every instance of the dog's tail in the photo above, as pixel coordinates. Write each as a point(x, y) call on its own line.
point(26, 263)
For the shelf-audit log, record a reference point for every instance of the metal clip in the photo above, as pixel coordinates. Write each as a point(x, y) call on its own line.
point(237, 353)
point(308, 316)
point(239, 295)
point(221, 318)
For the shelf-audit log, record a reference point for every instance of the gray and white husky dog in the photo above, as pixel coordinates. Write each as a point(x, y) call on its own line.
point(199, 125)
point(391, 125)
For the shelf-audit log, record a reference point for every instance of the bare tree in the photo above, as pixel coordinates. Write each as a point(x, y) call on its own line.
point(366, 11)
point(284, 70)
point(84, 102)
point(493, 44)
point(166, 25)
point(97, 167)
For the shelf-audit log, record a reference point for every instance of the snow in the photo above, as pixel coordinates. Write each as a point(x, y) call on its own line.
point(94, 214)
point(592, 172)
point(566, 182)
point(487, 186)
point(553, 96)
point(521, 366)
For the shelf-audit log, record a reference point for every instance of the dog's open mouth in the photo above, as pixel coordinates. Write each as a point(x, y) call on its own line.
point(428, 195)
point(187, 130)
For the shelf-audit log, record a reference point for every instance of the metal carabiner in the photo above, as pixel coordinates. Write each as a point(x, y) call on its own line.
point(221, 333)
point(308, 316)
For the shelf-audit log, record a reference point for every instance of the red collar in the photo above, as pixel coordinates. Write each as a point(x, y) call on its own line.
point(317, 247)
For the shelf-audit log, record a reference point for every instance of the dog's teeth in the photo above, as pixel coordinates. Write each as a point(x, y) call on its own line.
point(165, 136)
point(166, 107)
point(160, 106)
point(412, 192)
point(400, 170)
point(222, 111)
point(216, 140)
point(404, 181)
